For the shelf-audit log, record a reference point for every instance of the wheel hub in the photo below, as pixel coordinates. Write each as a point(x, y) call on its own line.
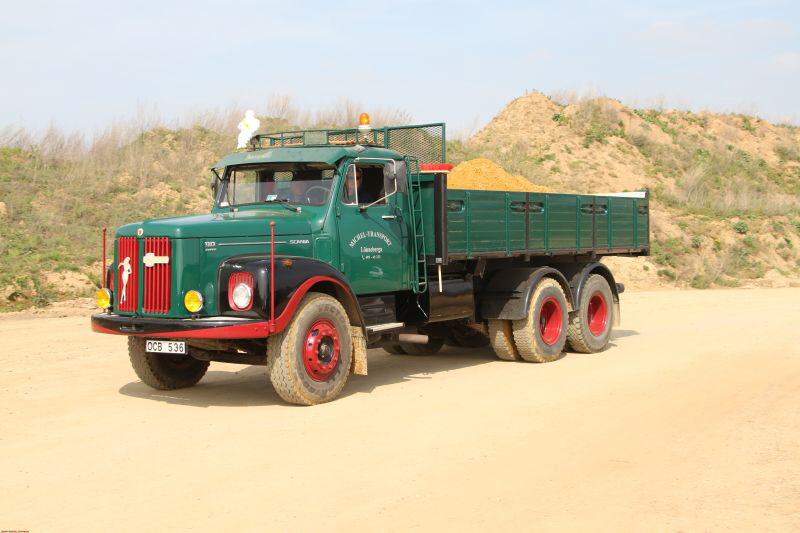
point(321, 350)
point(597, 314)
point(551, 321)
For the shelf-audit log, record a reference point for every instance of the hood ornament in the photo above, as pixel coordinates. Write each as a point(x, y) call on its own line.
point(150, 259)
point(125, 265)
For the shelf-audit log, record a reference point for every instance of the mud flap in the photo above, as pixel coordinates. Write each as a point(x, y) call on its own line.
point(359, 359)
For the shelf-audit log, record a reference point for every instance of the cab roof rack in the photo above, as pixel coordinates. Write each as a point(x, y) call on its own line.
point(425, 142)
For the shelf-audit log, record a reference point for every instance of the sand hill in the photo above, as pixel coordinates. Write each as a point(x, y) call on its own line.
point(725, 187)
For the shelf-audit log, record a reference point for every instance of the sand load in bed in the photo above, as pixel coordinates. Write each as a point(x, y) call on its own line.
point(485, 175)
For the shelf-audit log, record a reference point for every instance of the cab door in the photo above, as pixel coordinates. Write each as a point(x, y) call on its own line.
point(372, 233)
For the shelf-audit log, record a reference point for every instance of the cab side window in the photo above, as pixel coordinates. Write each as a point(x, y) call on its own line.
point(364, 184)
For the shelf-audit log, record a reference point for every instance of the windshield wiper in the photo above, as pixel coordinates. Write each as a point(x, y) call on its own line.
point(273, 199)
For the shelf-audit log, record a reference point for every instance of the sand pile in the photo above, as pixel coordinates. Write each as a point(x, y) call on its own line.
point(485, 175)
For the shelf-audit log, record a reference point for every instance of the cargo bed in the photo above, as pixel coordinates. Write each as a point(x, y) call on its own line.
point(465, 224)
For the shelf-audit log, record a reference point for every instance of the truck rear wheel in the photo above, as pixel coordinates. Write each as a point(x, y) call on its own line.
point(164, 371)
point(590, 326)
point(394, 349)
point(501, 336)
point(308, 362)
point(540, 337)
point(467, 337)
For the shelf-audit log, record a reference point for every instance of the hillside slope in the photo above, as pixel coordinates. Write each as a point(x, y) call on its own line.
point(725, 188)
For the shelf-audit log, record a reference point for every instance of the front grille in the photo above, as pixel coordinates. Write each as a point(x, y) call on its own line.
point(128, 273)
point(157, 275)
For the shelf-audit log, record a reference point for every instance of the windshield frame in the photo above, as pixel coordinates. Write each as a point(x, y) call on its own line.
point(221, 199)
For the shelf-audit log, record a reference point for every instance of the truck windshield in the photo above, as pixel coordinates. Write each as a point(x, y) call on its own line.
point(295, 183)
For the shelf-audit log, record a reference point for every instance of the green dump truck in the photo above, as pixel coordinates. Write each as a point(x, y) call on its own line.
point(324, 243)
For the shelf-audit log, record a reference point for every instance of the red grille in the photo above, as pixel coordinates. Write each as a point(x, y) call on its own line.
point(157, 276)
point(128, 257)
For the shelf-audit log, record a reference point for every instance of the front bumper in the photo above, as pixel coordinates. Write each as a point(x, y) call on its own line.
point(180, 328)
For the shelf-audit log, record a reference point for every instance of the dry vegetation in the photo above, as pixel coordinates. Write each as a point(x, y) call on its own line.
point(725, 187)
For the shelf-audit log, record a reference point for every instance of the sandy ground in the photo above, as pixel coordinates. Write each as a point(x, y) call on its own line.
point(689, 422)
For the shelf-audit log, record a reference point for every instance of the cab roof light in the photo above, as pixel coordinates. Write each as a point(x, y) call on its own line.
point(364, 127)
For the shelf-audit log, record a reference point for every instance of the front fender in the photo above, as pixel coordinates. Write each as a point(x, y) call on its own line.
point(294, 277)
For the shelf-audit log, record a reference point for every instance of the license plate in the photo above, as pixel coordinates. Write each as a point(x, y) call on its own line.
point(165, 346)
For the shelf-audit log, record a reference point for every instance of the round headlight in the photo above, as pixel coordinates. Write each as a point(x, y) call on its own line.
point(103, 298)
point(242, 295)
point(193, 301)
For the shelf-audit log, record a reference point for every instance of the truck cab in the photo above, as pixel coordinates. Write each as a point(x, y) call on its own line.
point(346, 209)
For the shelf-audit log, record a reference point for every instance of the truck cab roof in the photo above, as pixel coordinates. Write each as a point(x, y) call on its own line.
point(305, 154)
point(425, 142)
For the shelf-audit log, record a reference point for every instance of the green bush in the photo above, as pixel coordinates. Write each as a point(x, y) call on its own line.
point(739, 263)
point(740, 227)
point(788, 152)
point(697, 241)
point(668, 252)
point(669, 274)
point(747, 125)
point(43, 295)
point(596, 123)
point(654, 117)
point(700, 281)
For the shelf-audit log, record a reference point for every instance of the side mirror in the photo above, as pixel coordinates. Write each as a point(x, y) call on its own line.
point(390, 172)
point(215, 179)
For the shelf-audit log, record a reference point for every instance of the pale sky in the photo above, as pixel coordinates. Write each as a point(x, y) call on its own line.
point(80, 65)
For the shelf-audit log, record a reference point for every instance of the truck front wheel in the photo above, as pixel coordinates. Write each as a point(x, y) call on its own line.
point(164, 371)
point(540, 337)
point(590, 326)
point(308, 362)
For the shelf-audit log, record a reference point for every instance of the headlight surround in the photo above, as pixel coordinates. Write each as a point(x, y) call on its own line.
point(103, 298)
point(193, 301)
point(240, 291)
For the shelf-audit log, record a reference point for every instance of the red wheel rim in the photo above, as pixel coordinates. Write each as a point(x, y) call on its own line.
point(551, 321)
point(321, 350)
point(597, 314)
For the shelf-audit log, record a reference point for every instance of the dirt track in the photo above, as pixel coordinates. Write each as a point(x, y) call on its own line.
point(690, 422)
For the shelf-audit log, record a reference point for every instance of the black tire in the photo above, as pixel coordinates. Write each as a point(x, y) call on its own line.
point(394, 349)
point(590, 326)
point(309, 362)
point(431, 348)
point(467, 337)
point(502, 339)
point(164, 371)
point(540, 337)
